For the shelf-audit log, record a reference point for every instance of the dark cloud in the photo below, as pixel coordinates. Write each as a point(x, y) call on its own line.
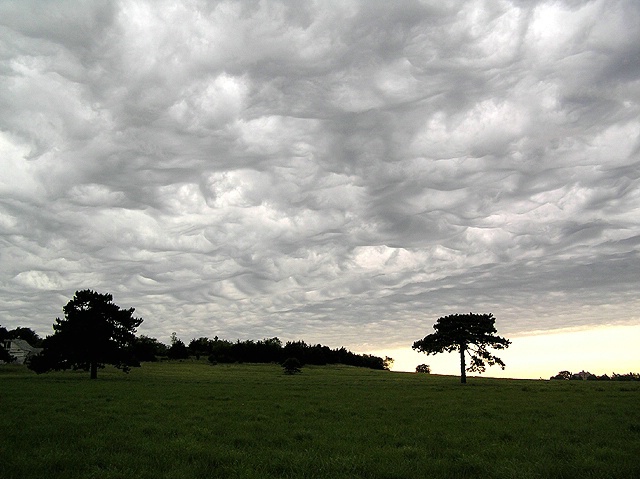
point(341, 172)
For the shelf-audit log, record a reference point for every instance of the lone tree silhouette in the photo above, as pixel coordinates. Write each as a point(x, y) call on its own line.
point(470, 334)
point(94, 332)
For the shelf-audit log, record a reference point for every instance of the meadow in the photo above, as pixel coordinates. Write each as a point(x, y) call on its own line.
point(195, 420)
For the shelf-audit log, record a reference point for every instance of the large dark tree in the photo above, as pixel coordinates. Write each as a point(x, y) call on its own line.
point(94, 332)
point(4, 354)
point(470, 334)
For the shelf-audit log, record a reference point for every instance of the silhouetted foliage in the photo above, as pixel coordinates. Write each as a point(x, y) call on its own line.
point(470, 334)
point(292, 366)
point(26, 334)
point(177, 350)
point(94, 332)
point(220, 351)
point(268, 350)
point(147, 349)
point(387, 363)
point(22, 333)
point(587, 376)
point(5, 357)
point(423, 368)
point(200, 347)
point(271, 350)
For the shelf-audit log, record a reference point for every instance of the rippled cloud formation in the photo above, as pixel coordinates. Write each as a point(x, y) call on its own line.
point(343, 172)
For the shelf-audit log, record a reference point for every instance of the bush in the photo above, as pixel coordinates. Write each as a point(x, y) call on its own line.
point(292, 366)
point(423, 368)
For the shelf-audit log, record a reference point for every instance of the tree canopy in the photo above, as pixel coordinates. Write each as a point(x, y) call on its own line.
point(4, 354)
point(177, 350)
point(27, 334)
point(93, 332)
point(470, 334)
point(272, 350)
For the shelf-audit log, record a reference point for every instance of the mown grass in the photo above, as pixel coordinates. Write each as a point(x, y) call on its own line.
point(194, 420)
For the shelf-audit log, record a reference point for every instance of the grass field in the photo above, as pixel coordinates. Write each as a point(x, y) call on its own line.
point(194, 420)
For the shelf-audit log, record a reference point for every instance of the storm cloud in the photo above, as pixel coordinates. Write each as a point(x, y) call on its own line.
point(343, 172)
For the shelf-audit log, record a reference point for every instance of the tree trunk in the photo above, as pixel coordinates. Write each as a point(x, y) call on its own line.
point(463, 368)
point(94, 370)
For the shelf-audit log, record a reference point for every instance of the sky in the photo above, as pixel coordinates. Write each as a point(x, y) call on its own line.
point(341, 172)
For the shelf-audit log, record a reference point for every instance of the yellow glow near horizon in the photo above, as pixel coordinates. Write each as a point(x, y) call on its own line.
point(600, 350)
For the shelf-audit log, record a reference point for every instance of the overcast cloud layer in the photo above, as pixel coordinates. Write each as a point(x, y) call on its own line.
point(342, 172)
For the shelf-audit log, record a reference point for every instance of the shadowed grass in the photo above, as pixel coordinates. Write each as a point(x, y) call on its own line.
point(193, 420)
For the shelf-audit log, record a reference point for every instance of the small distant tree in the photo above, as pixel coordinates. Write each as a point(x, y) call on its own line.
point(177, 350)
point(470, 334)
point(93, 332)
point(387, 363)
point(423, 368)
point(292, 366)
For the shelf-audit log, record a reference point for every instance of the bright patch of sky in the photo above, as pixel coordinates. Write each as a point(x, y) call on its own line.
point(542, 355)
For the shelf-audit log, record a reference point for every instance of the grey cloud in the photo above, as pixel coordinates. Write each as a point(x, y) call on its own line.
point(339, 172)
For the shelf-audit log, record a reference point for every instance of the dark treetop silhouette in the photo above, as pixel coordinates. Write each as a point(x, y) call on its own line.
point(469, 334)
point(4, 354)
point(94, 332)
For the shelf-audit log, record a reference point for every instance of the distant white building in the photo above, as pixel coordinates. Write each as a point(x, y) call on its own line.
point(20, 349)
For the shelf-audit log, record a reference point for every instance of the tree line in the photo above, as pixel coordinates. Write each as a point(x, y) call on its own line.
point(587, 376)
point(268, 350)
point(94, 331)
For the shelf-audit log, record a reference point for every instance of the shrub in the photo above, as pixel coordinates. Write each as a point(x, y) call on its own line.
point(292, 366)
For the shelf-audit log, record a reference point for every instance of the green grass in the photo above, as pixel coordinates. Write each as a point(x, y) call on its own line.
point(194, 420)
